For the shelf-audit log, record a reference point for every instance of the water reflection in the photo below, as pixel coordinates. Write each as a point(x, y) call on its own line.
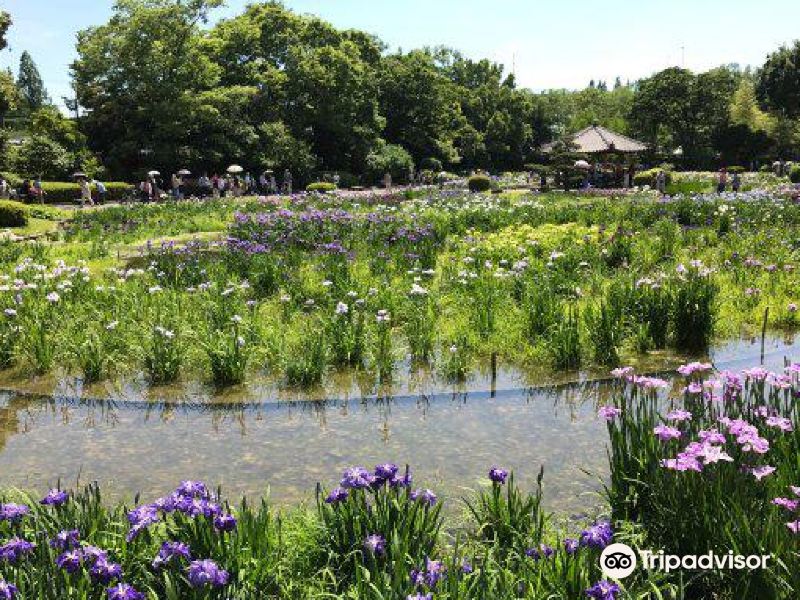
point(137, 441)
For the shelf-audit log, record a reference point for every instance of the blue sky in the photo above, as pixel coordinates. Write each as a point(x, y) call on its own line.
point(552, 44)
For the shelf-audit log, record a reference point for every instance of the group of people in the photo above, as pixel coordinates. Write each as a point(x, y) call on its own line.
point(32, 191)
point(152, 188)
point(722, 181)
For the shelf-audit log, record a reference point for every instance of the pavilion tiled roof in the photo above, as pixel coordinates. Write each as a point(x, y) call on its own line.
point(596, 139)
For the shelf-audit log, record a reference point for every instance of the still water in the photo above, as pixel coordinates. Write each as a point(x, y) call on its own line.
point(134, 440)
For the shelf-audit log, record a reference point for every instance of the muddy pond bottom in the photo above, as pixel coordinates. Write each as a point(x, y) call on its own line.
point(450, 439)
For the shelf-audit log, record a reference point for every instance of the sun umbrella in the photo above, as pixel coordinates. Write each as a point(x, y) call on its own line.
point(153, 173)
point(582, 164)
point(79, 175)
point(235, 169)
point(184, 172)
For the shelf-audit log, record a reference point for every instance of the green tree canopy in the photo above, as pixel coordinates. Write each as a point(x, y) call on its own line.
point(778, 81)
point(30, 85)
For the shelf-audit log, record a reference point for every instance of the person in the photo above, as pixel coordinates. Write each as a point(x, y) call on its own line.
point(336, 180)
point(273, 185)
point(661, 182)
point(387, 181)
point(736, 182)
point(145, 191)
point(86, 192)
point(263, 183)
point(38, 191)
point(722, 180)
point(101, 191)
point(3, 188)
point(176, 187)
point(204, 184)
point(632, 175)
point(248, 184)
point(287, 182)
point(222, 183)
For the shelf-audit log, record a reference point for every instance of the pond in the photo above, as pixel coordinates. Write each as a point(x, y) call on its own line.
point(133, 441)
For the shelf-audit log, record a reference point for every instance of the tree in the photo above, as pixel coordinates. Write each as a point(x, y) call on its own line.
point(778, 81)
point(30, 85)
point(41, 156)
point(138, 74)
point(389, 158)
point(419, 102)
point(5, 24)
point(745, 110)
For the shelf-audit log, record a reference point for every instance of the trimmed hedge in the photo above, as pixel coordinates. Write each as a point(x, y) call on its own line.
point(479, 183)
point(13, 214)
point(649, 177)
point(320, 186)
point(57, 192)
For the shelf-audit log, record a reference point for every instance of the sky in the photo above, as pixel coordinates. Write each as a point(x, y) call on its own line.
point(547, 44)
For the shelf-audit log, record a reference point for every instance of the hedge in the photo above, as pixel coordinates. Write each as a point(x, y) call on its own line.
point(649, 177)
point(321, 186)
point(13, 214)
point(479, 183)
point(57, 192)
point(794, 174)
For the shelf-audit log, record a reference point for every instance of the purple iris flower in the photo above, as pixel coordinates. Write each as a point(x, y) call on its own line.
point(66, 540)
point(15, 550)
point(8, 591)
point(426, 496)
point(571, 545)
point(170, 550)
point(13, 512)
point(123, 591)
point(105, 572)
point(357, 478)
point(386, 471)
point(375, 544)
point(337, 494)
point(70, 561)
point(603, 590)
point(498, 475)
point(597, 536)
point(194, 489)
point(55, 498)
point(204, 573)
point(420, 596)
point(225, 523)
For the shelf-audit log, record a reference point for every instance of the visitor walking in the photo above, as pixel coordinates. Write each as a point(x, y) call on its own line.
point(86, 193)
point(287, 182)
point(204, 186)
point(101, 191)
point(387, 181)
point(273, 185)
point(722, 180)
point(661, 182)
point(263, 183)
point(38, 190)
point(176, 187)
point(736, 183)
point(145, 190)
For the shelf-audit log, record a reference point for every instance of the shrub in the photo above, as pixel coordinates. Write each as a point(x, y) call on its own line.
point(389, 158)
point(479, 183)
point(13, 214)
point(736, 169)
point(321, 186)
point(794, 174)
point(42, 156)
point(431, 164)
point(57, 192)
point(649, 177)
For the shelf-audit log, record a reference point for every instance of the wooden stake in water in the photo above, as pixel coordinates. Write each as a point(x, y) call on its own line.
point(494, 374)
point(764, 333)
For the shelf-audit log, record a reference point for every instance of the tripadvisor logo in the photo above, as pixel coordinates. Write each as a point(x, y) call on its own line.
point(619, 560)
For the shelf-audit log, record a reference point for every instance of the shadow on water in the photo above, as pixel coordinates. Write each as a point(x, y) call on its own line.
point(135, 439)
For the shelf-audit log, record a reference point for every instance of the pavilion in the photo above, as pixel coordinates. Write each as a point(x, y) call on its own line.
point(599, 140)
